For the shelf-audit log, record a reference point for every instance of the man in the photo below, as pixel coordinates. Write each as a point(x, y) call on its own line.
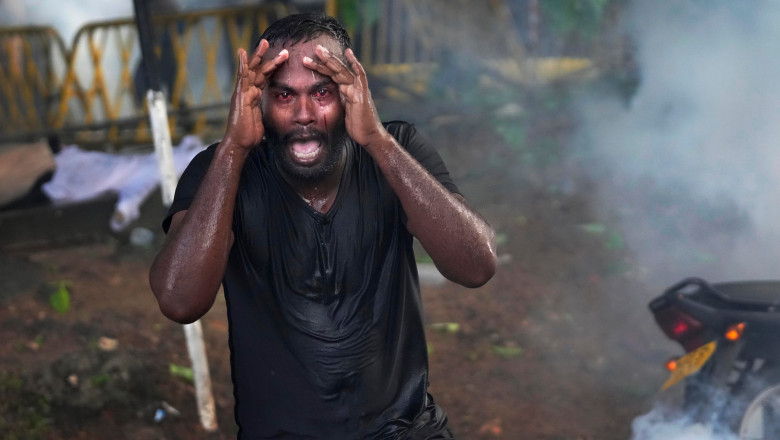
point(306, 212)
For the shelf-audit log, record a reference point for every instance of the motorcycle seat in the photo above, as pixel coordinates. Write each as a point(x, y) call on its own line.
point(758, 293)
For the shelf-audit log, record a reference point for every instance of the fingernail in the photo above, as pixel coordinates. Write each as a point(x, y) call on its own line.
point(323, 48)
point(307, 60)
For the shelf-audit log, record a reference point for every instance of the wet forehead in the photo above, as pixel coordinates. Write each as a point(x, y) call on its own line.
point(293, 73)
point(305, 49)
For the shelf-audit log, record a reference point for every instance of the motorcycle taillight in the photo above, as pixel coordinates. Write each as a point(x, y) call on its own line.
point(680, 326)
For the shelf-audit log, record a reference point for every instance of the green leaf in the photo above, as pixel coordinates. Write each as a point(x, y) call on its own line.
point(507, 352)
point(593, 228)
point(182, 372)
point(446, 327)
point(60, 299)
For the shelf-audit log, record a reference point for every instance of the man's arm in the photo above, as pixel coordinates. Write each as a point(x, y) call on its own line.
point(186, 274)
point(460, 241)
point(457, 238)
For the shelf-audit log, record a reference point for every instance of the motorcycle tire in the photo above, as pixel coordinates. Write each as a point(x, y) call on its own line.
point(729, 407)
point(761, 419)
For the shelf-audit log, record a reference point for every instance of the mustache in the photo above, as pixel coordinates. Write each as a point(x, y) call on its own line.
point(304, 134)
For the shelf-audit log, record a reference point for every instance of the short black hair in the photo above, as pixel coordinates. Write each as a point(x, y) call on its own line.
point(305, 27)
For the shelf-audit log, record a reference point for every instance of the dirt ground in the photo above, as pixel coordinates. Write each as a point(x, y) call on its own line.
point(556, 347)
point(518, 363)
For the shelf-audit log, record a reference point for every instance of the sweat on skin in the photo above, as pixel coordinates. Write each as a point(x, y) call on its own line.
point(307, 105)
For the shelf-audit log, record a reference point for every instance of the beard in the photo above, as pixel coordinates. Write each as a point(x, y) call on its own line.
point(333, 142)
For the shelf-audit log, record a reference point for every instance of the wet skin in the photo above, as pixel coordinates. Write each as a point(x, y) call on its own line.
point(303, 115)
point(295, 94)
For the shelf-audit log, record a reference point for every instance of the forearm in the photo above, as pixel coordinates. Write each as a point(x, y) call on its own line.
point(457, 238)
point(186, 275)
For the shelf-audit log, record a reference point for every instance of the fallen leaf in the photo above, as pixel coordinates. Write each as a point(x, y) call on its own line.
point(182, 372)
point(107, 344)
point(507, 352)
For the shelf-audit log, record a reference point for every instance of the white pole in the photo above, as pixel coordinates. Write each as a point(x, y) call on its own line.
point(158, 116)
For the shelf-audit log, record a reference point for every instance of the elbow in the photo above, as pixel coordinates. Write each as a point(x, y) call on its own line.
point(179, 315)
point(173, 309)
point(480, 271)
point(483, 264)
point(171, 306)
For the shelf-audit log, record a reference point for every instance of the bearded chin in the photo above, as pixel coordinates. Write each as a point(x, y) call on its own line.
point(333, 141)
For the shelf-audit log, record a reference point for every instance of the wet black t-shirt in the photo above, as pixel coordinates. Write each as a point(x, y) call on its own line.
point(326, 330)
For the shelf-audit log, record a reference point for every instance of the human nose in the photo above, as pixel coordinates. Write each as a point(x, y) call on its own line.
point(304, 112)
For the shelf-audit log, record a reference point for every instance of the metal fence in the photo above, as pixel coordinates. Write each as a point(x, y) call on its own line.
point(92, 92)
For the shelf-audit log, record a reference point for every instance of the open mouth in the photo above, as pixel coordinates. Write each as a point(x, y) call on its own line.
point(305, 151)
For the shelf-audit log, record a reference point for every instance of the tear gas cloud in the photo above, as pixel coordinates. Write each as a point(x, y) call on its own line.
point(658, 424)
point(690, 163)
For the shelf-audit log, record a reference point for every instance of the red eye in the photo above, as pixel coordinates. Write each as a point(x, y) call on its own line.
point(284, 96)
point(322, 93)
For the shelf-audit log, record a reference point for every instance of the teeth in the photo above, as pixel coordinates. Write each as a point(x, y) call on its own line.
point(304, 150)
point(305, 156)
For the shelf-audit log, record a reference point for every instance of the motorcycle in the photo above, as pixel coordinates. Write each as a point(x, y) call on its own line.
point(731, 335)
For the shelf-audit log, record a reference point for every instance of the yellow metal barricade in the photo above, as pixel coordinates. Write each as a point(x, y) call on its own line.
point(94, 93)
point(32, 63)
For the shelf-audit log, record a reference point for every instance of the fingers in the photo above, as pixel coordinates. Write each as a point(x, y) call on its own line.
point(330, 65)
point(262, 70)
point(265, 69)
point(257, 56)
point(356, 67)
point(244, 83)
point(241, 71)
point(353, 63)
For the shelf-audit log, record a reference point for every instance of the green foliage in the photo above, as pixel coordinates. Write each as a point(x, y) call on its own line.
point(23, 413)
point(100, 379)
point(60, 299)
point(182, 372)
point(356, 13)
point(574, 18)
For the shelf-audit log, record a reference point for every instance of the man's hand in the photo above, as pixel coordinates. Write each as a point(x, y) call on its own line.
point(245, 121)
point(460, 241)
point(361, 118)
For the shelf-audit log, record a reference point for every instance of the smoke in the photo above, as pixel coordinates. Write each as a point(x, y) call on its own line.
point(689, 164)
point(65, 17)
point(662, 424)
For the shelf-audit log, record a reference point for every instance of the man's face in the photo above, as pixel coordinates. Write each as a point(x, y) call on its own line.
point(303, 114)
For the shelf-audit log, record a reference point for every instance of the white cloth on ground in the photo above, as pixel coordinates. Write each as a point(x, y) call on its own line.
point(82, 175)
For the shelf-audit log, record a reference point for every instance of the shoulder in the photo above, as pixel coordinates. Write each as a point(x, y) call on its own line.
point(402, 131)
point(205, 156)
